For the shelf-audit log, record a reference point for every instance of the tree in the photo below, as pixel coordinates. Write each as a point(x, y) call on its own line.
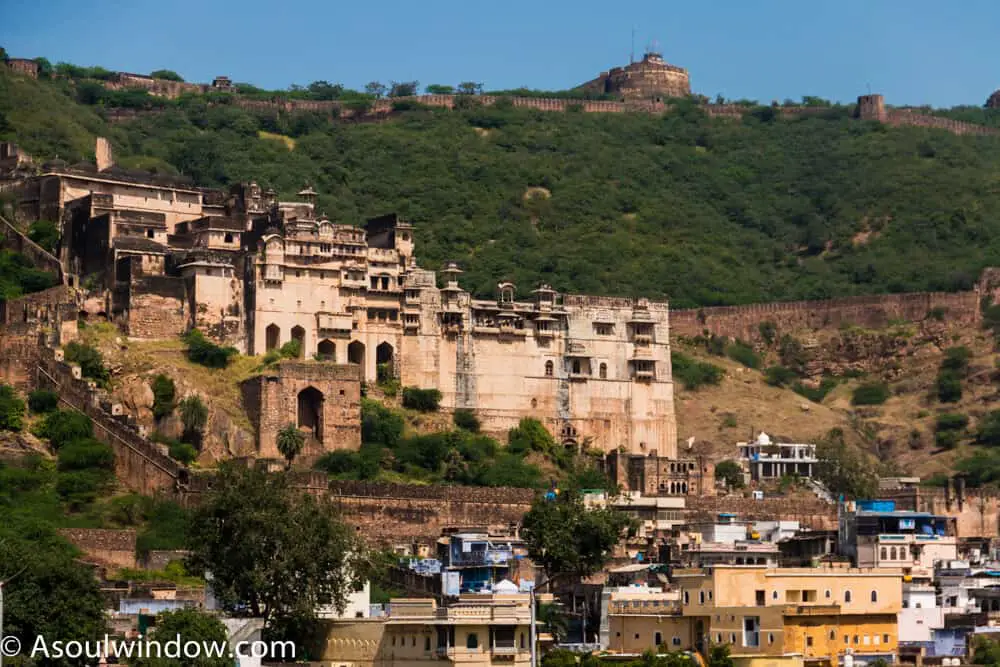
point(63, 427)
point(376, 89)
point(466, 419)
point(730, 472)
point(718, 656)
point(202, 351)
point(90, 361)
point(190, 625)
point(194, 418)
point(404, 88)
point(438, 89)
point(45, 233)
point(988, 429)
point(167, 75)
point(870, 393)
point(44, 67)
point(290, 442)
point(568, 539)
point(470, 88)
point(11, 409)
point(842, 470)
point(54, 596)
point(424, 400)
point(273, 552)
point(164, 395)
point(43, 401)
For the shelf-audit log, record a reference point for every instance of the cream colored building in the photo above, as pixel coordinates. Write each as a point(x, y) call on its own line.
point(821, 614)
point(636, 619)
point(476, 631)
point(595, 370)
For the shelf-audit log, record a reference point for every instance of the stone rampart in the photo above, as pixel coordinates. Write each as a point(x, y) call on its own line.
point(867, 311)
point(387, 513)
point(26, 323)
point(158, 307)
point(11, 238)
point(910, 117)
point(139, 464)
point(106, 547)
point(814, 513)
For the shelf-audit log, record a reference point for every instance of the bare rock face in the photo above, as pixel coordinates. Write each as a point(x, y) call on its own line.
point(225, 438)
point(137, 396)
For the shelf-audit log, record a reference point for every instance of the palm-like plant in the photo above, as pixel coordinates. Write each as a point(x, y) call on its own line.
point(290, 443)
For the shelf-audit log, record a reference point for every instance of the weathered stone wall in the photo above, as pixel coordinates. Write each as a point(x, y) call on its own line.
point(158, 560)
point(976, 512)
point(139, 464)
point(867, 311)
point(29, 321)
point(157, 307)
point(12, 239)
point(390, 513)
point(300, 392)
point(810, 513)
point(106, 547)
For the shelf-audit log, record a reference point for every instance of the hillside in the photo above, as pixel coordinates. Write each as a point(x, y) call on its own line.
point(699, 210)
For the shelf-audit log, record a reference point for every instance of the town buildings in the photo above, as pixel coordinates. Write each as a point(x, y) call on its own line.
point(768, 460)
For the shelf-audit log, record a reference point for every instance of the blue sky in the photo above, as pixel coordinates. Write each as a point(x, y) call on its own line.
point(913, 51)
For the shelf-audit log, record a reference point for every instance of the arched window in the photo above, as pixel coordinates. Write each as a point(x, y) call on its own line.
point(892, 553)
point(828, 594)
point(603, 371)
point(885, 553)
point(701, 597)
point(548, 369)
point(847, 596)
point(472, 640)
point(687, 597)
point(576, 366)
point(657, 639)
point(874, 596)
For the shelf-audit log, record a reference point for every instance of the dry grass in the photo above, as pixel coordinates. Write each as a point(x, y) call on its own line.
point(288, 141)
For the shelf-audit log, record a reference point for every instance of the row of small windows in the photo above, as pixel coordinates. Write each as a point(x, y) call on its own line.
point(471, 641)
point(890, 553)
point(577, 368)
point(848, 596)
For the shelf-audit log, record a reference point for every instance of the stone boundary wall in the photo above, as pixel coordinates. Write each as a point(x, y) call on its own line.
point(28, 322)
point(868, 311)
point(813, 513)
point(392, 513)
point(107, 547)
point(909, 117)
point(15, 240)
point(138, 462)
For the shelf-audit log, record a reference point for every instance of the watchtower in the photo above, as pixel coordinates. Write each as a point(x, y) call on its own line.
point(872, 107)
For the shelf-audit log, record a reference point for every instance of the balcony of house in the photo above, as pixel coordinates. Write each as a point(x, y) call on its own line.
point(642, 370)
point(641, 352)
point(334, 324)
point(354, 281)
point(545, 326)
point(811, 610)
point(776, 468)
point(578, 369)
point(412, 297)
point(411, 322)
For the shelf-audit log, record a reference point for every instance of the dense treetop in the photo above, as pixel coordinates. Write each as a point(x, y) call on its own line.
point(703, 211)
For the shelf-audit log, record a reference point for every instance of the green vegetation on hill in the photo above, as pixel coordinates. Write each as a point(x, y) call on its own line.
point(705, 211)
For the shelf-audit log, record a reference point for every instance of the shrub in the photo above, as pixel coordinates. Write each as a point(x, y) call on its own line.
point(949, 386)
point(530, 435)
point(290, 442)
point(194, 418)
point(694, 374)
point(64, 426)
point(81, 487)
point(988, 429)
point(956, 359)
point(379, 424)
point(870, 393)
point(768, 331)
point(815, 394)
point(947, 439)
point(164, 394)
point(423, 400)
point(85, 454)
point(90, 360)
point(42, 401)
point(337, 462)
point(183, 452)
point(730, 472)
point(45, 233)
point(291, 350)
point(937, 313)
point(951, 421)
point(11, 409)
point(202, 351)
point(744, 354)
point(779, 376)
point(466, 419)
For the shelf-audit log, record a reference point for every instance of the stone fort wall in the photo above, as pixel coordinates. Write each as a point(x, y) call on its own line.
point(388, 513)
point(106, 547)
point(811, 513)
point(867, 311)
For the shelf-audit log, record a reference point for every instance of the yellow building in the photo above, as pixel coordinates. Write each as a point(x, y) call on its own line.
point(820, 614)
point(480, 630)
point(636, 619)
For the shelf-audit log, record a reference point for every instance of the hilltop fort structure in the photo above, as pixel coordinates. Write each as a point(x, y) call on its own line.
point(651, 78)
point(161, 257)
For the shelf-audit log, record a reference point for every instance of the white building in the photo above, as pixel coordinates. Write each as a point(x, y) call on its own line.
point(773, 460)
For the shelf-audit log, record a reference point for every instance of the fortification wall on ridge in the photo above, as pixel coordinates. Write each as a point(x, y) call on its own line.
point(867, 311)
